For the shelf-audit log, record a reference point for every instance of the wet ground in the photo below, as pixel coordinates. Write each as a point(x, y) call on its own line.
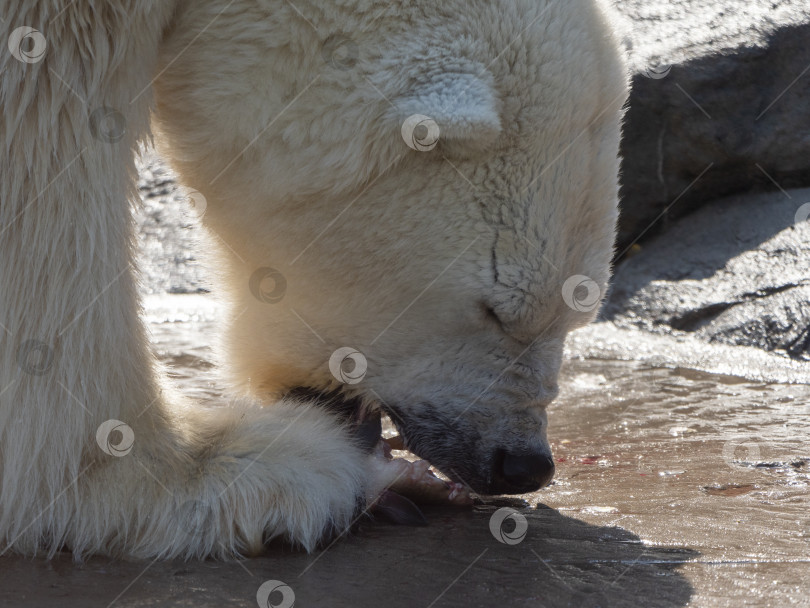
point(675, 487)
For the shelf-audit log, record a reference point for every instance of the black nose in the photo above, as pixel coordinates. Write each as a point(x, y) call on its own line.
point(521, 472)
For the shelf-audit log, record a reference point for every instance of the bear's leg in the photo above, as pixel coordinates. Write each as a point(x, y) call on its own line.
point(94, 455)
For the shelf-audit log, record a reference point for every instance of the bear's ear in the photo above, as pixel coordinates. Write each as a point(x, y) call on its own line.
point(458, 110)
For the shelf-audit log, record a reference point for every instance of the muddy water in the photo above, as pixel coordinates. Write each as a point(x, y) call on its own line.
point(675, 486)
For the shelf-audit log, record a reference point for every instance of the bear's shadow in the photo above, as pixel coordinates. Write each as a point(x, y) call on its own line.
point(455, 561)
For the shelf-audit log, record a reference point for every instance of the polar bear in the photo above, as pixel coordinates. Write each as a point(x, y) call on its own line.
point(412, 203)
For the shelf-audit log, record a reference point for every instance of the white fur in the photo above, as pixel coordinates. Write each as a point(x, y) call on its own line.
point(385, 249)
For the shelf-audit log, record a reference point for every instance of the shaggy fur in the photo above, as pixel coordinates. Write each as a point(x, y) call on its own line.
point(443, 267)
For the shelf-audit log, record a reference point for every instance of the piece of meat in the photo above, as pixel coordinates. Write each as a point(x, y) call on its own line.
point(396, 443)
point(414, 480)
point(411, 479)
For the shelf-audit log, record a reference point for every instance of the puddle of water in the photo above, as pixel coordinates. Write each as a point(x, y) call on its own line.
point(716, 463)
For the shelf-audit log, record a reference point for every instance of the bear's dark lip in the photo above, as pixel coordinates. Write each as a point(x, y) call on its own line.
point(456, 469)
point(362, 417)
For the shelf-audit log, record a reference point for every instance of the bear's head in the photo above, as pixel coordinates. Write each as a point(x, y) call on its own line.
point(414, 203)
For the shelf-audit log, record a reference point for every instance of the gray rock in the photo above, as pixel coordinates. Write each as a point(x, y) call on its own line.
point(720, 104)
point(735, 272)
